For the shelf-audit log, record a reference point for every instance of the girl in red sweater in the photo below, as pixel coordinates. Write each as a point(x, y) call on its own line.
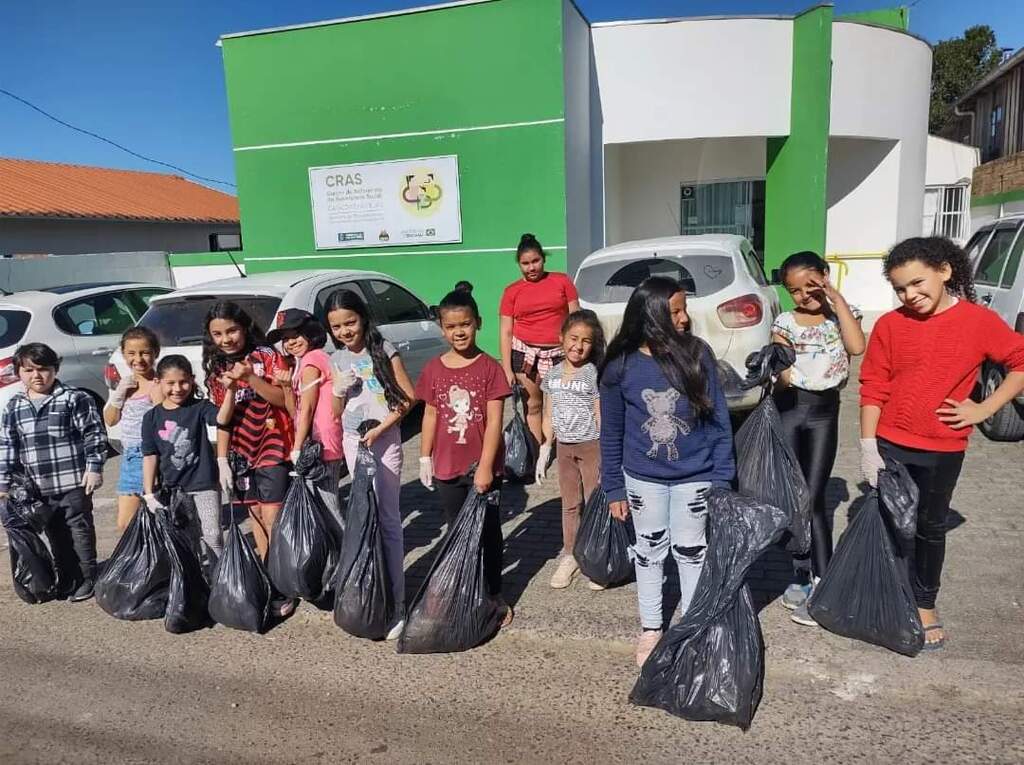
point(922, 362)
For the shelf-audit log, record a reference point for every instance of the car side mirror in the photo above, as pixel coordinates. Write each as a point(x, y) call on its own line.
point(434, 312)
point(776, 278)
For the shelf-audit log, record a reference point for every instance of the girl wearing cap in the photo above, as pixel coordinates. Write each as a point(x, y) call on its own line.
point(307, 390)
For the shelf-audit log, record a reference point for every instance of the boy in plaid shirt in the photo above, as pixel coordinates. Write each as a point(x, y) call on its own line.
point(54, 436)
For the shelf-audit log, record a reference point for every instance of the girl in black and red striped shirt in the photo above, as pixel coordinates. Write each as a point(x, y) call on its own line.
point(261, 429)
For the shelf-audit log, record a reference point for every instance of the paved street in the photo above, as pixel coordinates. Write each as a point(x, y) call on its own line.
point(79, 686)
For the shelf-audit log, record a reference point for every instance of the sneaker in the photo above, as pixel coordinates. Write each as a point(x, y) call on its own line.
point(84, 592)
point(795, 596)
point(801, 616)
point(592, 585)
point(645, 644)
point(396, 631)
point(564, 573)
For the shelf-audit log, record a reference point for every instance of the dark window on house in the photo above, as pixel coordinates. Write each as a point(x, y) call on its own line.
point(225, 242)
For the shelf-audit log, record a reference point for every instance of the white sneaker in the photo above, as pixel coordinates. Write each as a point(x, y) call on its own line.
point(566, 570)
point(396, 631)
point(645, 644)
point(592, 585)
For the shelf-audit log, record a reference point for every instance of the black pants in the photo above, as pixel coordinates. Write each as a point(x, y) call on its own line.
point(810, 423)
point(72, 536)
point(935, 474)
point(452, 495)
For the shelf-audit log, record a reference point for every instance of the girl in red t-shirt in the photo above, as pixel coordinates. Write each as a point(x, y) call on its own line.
point(464, 392)
point(261, 429)
point(921, 364)
point(532, 311)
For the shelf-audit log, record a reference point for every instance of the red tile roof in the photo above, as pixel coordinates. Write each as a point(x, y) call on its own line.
point(30, 189)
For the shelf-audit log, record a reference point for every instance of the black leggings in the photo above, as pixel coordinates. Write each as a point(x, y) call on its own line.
point(935, 474)
point(810, 423)
point(452, 495)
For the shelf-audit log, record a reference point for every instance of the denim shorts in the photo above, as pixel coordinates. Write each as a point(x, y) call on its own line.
point(130, 479)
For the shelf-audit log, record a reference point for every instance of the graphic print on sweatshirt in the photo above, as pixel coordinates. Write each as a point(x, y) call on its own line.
point(663, 427)
point(183, 454)
point(463, 411)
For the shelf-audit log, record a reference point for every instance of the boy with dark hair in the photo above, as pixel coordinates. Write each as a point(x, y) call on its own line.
point(54, 435)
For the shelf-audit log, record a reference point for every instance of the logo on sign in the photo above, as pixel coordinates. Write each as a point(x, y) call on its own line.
point(421, 192)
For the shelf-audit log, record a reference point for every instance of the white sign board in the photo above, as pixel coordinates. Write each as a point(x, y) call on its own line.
point(384, 204)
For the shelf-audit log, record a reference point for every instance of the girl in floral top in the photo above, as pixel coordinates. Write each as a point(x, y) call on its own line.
point(824, 331)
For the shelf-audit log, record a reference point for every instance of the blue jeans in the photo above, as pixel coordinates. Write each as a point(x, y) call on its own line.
point(667, 517)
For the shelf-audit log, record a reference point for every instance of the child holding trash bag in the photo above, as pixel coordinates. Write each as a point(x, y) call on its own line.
point(921, 364)
point(135, 394)
point(55, 436)
point(824, 331)
point(572, 416)
point(176, 449)
point(308, 398)
point(234, 348)
point(666, 440)
point(464, 392)
point(370, 383)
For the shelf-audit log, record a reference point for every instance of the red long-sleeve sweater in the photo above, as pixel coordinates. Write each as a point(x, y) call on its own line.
point(913, 363)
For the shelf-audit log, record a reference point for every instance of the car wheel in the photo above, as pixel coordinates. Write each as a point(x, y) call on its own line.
point(1007, 424)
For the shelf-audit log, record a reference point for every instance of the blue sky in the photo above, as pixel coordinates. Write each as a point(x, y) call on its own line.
point(148, 75)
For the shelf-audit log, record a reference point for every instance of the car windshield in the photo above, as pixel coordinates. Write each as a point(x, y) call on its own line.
point(12, 326)
point(180, 321)
point(614, 281)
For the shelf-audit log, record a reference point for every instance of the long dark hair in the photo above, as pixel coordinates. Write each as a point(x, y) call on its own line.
point(182, 364)
point(215, 360)
point(588, 318)
point(935, 252)
point(374, 342)
point(648, 320)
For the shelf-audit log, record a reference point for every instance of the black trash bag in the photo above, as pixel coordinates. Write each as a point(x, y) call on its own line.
point(453, 611)
point(603, 543)
point(865, 593)
point(31, 507)
point(767, 470)
point(188, 591)
point(32, 569)
point(364, 601)
point(135, 579)
point(766, 364)
point(899, 495)
point(710, 664)
point(304, 551)
point(520, 445)
point(240, 591)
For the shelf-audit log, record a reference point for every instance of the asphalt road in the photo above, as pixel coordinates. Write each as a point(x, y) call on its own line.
point(78, 686)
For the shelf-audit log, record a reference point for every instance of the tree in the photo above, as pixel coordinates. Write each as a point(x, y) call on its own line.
point(957, 64)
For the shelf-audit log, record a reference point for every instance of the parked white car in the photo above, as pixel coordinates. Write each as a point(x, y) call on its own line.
point(729, 301)
point(177, 318)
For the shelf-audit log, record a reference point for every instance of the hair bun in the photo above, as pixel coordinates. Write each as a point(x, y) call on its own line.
point(463, 286)
point(527, 239)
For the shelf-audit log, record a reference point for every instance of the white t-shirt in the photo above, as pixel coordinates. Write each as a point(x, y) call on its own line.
point(365, 401)
point(822, 362)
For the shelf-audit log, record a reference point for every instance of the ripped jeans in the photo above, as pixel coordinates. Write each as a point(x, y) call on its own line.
point(667, 516)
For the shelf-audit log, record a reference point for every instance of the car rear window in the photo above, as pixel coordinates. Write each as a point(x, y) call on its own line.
point(180, 321)
point(614, 281)
point(12, 326)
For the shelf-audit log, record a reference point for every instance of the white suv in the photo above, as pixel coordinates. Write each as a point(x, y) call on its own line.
point(730, 303)
point(995, 250)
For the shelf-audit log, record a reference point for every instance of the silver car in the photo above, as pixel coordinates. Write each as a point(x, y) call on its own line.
point(83, 323)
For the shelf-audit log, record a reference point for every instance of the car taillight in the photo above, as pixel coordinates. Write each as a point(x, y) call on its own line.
point(8, 375)
point(744, 311)
point(111, 376)
point(279, 319)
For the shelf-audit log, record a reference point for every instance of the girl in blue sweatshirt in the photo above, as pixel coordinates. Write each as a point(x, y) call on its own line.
point(666, 440)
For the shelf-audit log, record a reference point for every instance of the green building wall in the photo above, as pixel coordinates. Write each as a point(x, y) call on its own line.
point(484, 82)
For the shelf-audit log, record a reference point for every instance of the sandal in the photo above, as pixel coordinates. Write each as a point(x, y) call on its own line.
point(285, 607)
point(508, 617)
point(933, 645)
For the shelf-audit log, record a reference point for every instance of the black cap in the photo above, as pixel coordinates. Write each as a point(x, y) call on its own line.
point(297, 320)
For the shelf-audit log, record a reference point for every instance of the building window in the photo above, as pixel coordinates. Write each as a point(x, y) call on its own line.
point(225, 242)
point(946, 212)
point(724, 207)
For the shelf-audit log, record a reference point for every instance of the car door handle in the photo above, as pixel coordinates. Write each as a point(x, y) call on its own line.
point(403, 345)
point(986, 299)
point(102, 351)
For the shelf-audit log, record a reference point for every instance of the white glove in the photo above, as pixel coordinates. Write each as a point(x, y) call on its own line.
point(542, 463)
point(227, 478)
point(91, 482)
point(294, 456)
point(342, 380)
point(152, 502)
point(120, 393)
point(427, 473)
point(870, 460)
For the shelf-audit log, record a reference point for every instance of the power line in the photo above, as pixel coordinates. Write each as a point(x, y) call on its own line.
point(115, 144)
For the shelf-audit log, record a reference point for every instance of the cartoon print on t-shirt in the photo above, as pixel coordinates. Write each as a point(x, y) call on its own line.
point(663, 426)
point(460, 402)
point(178, 438)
